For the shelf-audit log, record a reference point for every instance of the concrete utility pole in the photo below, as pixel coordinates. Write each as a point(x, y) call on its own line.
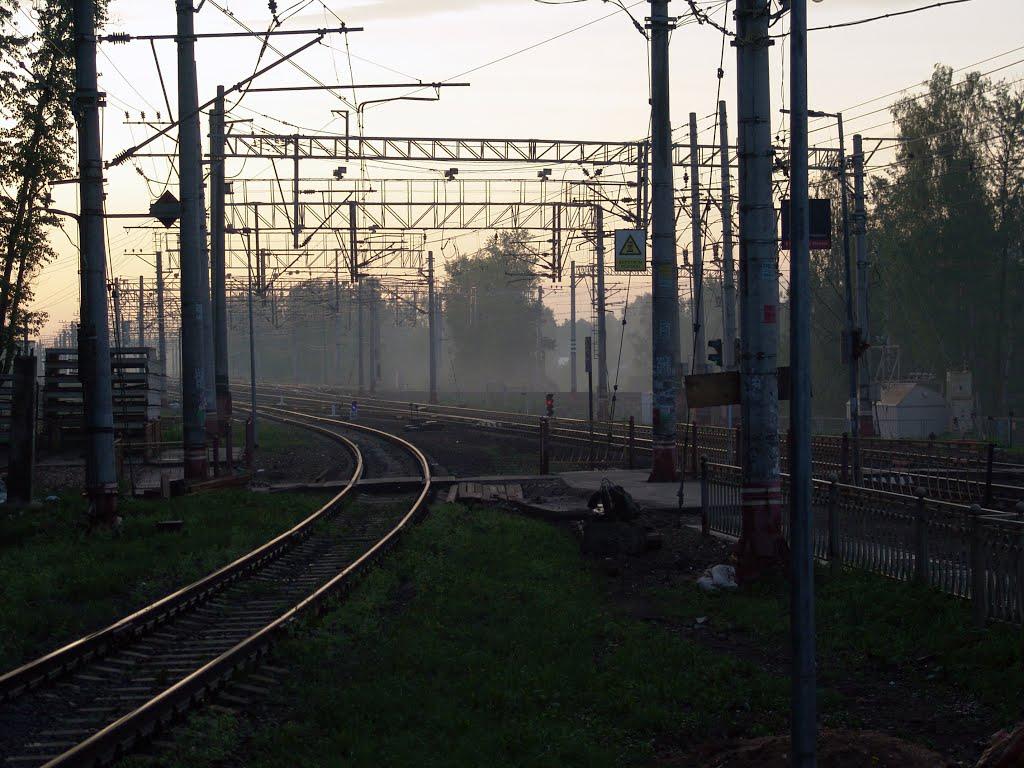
point(539, 362)
point(353, 255)
point(337, 319)
point(432, 326)
point(728, 279)
point(141, 312)
point(161, 333)
point(803, 701)
point(664, 273)
point(851, 326)
point(761, 543)
point(860, 219)
point(93, 332)
point(252, 349)
point(602, 332)
point(193, 306)
point(374, 336)
point(572, 327)
point(219, 280)
point(700, 347)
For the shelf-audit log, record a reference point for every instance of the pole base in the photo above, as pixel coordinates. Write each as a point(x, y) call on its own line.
point(196, 465)
point(102, 507)
point(663, 464)
point(762, 550)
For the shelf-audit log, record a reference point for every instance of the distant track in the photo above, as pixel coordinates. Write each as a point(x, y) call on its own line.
point(96, 698)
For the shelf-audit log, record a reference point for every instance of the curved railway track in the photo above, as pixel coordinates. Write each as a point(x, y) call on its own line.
point(890, 470)
point(92, 700)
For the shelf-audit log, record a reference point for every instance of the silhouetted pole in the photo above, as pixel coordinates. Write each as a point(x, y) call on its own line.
point(93, 333)
point(572, 327)
point(700, 352)
point(602, 332)
point(218, 273)
point(728, 276)
point(664, 275)
point(803, 703)
point(193, 353)
point(161, 331)
point(851, 326)
point(142, 311)
point(432, 326)
point(761, 542)
point(860, 217)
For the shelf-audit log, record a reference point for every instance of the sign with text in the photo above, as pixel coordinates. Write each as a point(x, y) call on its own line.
point(630, 250)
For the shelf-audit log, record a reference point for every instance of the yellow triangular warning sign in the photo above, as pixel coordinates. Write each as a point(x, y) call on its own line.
point(629, 247)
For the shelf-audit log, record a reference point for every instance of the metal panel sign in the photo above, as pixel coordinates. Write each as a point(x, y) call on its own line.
point(630, 250)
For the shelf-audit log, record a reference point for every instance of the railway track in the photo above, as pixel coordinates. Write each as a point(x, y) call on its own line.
point(894, 471)
point(96, 698)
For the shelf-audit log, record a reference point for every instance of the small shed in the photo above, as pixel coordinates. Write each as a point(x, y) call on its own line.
point(911, 410)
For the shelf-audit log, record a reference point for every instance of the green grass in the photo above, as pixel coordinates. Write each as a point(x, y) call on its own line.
point(273, 436)
point(867, 624)
point(57, 581)
point(487, 639)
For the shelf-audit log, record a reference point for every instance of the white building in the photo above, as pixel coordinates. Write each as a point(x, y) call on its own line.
point(911, 410)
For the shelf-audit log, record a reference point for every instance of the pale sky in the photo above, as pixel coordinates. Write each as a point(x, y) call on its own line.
point(591, 83)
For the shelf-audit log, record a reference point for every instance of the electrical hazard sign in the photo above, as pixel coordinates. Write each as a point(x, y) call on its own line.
point(630, 250)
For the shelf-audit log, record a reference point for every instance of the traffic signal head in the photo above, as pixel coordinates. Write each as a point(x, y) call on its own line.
point(716, 356)
point(549, 404)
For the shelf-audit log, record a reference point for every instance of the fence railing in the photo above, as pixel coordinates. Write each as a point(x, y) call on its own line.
point(962, 550)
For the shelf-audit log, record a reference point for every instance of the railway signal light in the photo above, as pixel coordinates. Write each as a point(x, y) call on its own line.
point(549, 404)
point(716, 356)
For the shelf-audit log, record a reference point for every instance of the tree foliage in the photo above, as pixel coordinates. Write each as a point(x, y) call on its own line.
point(493, 318)
point(946, 229)
point(36, 149)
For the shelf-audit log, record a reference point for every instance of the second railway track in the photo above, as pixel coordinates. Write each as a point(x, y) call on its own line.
point(93, 700)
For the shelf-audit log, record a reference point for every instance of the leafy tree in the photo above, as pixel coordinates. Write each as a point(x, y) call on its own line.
point(493, 318)
point(945, 225)
point(36, 149)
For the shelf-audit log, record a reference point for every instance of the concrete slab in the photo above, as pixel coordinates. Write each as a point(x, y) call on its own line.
point(662, 496)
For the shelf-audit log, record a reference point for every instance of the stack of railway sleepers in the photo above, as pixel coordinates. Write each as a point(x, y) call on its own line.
point(137, 383)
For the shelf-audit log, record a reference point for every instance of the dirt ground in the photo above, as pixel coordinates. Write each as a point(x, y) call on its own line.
point(836, 749)
point(883, 697)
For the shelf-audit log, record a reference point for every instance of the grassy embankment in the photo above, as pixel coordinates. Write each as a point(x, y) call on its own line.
point(487, 638)
point(58, 581)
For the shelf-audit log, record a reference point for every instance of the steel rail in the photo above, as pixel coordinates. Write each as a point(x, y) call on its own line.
point(612, 434)
point(118, 737)
point(69, 656)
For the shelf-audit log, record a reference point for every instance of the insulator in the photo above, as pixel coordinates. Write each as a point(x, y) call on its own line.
point(119, 37)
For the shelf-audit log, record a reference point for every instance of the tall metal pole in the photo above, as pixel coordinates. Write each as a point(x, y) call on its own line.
point(252, 350)
point(374, 335)
point(193, 306)
point(602, 332)
point(432, 326)
point(665, 277)
point(353, 255)
point(803, 701)
point(860, 218)
point(217, 247)
point(161, 333)
point(700, 351)
point(728, 278)
point(360, 335)
point(337, 318)
point(572, 327)
point(851, 327)
point(93, 333)
point(539, 362)
point(761, 543)
point(141, 311)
